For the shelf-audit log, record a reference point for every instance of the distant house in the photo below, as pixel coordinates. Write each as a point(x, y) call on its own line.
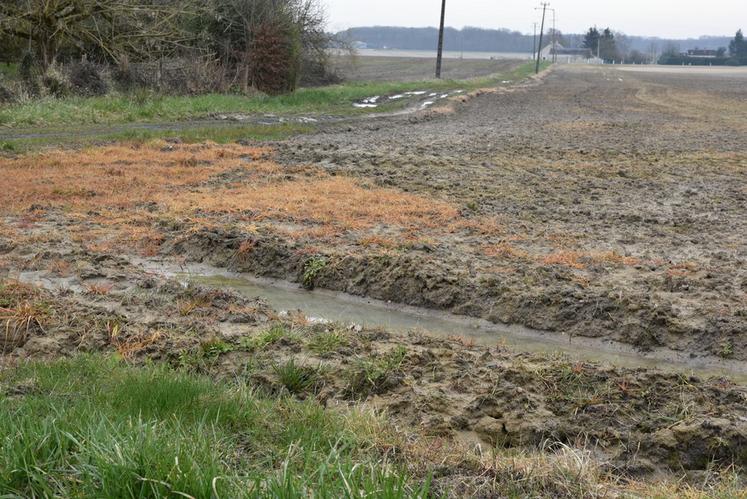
point(360, 45)
point(703, 53)
point(567, 55)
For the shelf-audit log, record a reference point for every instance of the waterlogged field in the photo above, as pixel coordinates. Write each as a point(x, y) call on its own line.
point(589, 202)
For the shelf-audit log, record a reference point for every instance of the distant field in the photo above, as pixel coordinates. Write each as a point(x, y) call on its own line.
point(379, 68)
point(716, 71)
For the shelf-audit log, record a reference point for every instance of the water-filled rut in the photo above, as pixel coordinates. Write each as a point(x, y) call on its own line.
point(325, 305)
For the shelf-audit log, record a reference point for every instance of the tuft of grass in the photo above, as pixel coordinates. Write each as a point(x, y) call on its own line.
point(328, 342)
point(377, 374)
point(94, 427)
point(21, 313)
point(267, 338)
point(297, 378)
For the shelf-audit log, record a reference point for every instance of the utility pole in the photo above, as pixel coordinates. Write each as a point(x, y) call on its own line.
point(534, 43)
point(542, 32)
point(554, 39)
point(440, 56)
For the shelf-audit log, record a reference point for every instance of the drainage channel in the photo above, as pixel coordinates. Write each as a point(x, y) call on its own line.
point(324, 305)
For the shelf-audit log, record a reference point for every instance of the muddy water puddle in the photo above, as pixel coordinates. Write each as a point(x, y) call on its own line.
point(324, 305)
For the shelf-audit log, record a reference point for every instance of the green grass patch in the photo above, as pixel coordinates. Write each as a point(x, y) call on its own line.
point(93, 427)
point(328, 342)
point(297, 378)
point(269, 337)
point(8, 71)
point(152, 107)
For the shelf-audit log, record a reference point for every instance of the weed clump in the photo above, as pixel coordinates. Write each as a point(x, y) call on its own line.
point(328, 342)
point(55, 83)
point(86, 80)
point(21, 315)
point(311, 271)
point(215, 348)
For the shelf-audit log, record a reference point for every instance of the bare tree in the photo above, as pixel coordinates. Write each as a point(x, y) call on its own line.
point(113, 28)
point(269, 40)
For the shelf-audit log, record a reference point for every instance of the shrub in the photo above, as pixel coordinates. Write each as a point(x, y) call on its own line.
point(30, 73)
point(6, 96)
point(86, 79)
point(275, 59)
point(55, 83)
point(126, 77)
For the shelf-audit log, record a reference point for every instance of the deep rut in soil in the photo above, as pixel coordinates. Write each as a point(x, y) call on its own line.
point(325, 305)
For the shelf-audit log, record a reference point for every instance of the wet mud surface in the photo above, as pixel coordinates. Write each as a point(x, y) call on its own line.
point(621, 195)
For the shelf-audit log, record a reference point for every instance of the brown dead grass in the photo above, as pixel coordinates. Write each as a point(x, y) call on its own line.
point(118, 197)
point(504, 250)
point(580, 259)
point(378, 241)
point(123, 188)
point(119, 176)
point(337, 201)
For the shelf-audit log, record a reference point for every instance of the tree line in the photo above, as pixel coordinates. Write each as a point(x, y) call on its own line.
point(467, 39)
point(503, 40)
point(264, 44)
point(734, 55)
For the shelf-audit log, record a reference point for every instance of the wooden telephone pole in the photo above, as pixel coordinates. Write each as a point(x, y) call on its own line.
point(440, 56)
point(542, 32)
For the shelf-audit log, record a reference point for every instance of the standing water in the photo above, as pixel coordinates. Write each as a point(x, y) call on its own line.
point(323, 305)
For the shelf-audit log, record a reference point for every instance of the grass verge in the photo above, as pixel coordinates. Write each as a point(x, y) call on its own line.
point(222, 134)
point(95, 427)
point(151, 107)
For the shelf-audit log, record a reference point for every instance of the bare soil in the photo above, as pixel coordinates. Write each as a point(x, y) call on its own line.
point(621, 196)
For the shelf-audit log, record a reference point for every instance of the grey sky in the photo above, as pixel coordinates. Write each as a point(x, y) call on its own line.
point(665, 18)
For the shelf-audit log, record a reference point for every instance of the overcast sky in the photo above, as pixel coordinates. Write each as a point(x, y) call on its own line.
point(664, 18)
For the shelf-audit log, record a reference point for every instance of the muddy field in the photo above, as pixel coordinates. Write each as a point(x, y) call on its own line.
point(619, 200)
point(590, 202)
